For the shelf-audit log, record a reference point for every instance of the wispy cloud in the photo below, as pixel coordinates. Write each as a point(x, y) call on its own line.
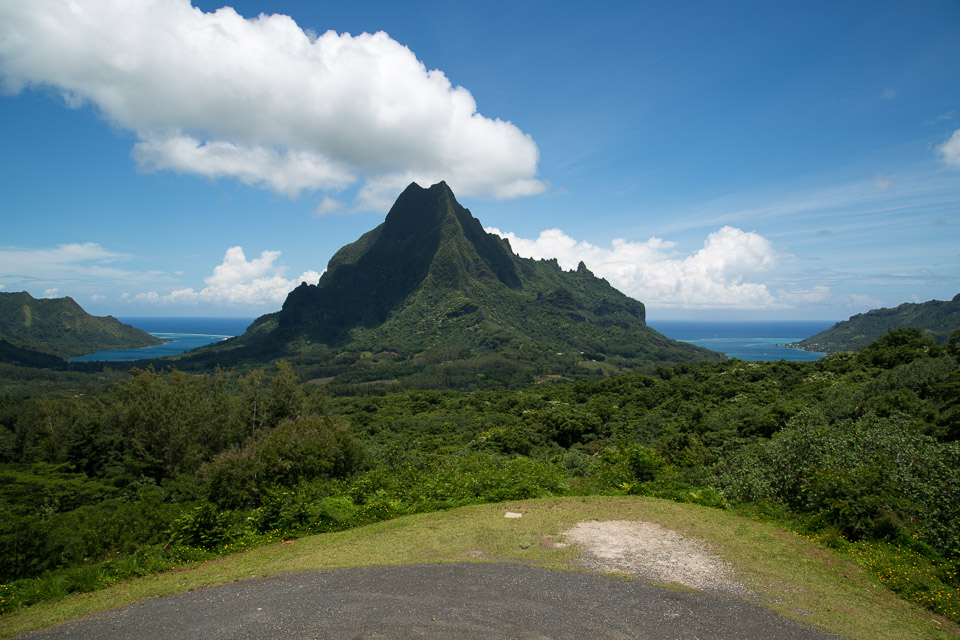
point(60, 267)
point(949, 115)
point(263, 101)
point(914, 194)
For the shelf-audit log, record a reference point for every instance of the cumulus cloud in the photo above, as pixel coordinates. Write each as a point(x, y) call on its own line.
point(237, 281)
point(53, 292)
point(950, 150)
point(287, 172)
point(263, 101)
point(717, 275)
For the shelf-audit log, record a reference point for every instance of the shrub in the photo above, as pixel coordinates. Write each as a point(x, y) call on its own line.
point(294, 451)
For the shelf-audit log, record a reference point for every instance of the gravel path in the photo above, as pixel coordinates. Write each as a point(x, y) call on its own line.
point(648, 551)
point(466, 601)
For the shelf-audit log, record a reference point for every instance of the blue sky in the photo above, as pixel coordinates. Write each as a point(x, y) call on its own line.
point(714, 160)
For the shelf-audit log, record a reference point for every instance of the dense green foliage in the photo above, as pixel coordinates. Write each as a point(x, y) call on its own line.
point(10, 353)
point(860, 450)
point(430, 300)
point(937, 319)
point(58, 327)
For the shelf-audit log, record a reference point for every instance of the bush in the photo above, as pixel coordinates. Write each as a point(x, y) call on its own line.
point(870, 477)
point(202, 526)
point(294, 451)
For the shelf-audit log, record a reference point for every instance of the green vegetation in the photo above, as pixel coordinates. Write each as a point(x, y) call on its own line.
point(791, 575)
point(116, 475)
point(937, 319)
point(32, 330)
point(430, 300)
point(10, 353)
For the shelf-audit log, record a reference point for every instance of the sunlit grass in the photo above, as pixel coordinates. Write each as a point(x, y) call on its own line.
point(789, 574)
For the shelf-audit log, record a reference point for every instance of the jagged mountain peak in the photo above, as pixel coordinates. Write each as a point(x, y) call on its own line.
point(430, 285)
point(427, 237)
point(419, 209)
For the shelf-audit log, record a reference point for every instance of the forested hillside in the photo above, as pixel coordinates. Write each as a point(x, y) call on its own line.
point(860, 450)
point(59, 327)
point(936, 319)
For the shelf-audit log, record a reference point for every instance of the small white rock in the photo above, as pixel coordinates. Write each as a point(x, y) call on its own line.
point(511, 514)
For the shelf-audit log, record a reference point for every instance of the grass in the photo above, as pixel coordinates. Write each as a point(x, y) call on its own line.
point(790, 574)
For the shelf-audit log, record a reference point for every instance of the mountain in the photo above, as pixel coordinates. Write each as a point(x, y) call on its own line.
point(936, 318)
point(60, 327)
point(430, 298)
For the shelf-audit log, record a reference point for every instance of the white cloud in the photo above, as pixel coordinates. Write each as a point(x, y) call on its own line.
point(861, 301)
point(882, 182)
point(237, 282)
point(718, 275)
point(88, 262)
point(287, 172)
point(950, 150)
point(53, 292)
point(328, 206)
point(949, 115)
point(14, 259)
point(263, 101)
point(818, 293)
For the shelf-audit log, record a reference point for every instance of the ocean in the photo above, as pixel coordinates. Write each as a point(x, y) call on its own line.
point(178, 334)
point(747, 340)
point(743, 340)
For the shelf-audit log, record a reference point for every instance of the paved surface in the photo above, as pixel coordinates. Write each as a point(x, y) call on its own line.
point(464, 601)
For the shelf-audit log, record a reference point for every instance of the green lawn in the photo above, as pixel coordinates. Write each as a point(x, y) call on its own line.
point(789, 574)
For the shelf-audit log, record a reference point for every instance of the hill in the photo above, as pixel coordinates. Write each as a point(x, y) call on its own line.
point(13, 354)
point(429, 296)
point(60, 327)
point(937, 319)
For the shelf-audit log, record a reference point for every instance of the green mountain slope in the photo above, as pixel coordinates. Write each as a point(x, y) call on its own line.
point(430, 287)
point(13, 354)
point(60, 327)
point(936, 318)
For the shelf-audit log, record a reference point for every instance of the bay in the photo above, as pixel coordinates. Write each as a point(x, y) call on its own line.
point(752, 341)
point(179, 335)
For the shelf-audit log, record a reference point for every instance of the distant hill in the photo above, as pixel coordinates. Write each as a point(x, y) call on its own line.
point(430, 296)
point(60, 327)
point(12, 354)
point(937, 319)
